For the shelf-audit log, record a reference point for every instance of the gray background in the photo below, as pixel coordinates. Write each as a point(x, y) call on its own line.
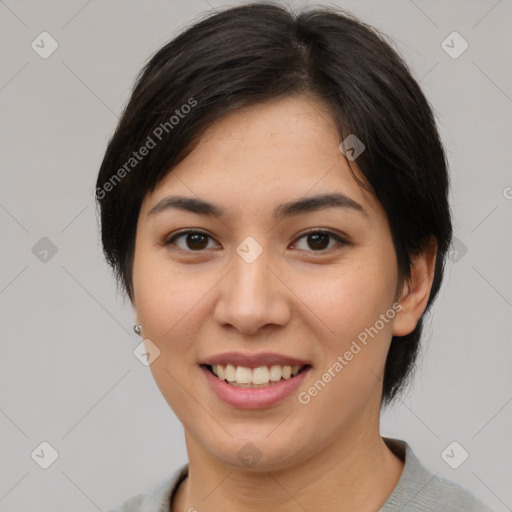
point(69, 376)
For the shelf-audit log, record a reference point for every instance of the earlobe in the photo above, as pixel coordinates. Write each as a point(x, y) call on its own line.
point(416, 290)
point(135, 317)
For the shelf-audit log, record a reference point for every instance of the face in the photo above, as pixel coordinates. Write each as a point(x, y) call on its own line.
point(255, 284)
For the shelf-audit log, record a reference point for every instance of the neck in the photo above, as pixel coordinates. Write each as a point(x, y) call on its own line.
point(358, 474)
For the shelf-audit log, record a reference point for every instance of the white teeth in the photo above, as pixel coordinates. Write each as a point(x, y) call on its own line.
point(260, 375)
point(275, 373)
point(242, 376)
point(229, 372)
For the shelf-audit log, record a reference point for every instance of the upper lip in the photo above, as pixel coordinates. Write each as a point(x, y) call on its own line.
point(254, 360)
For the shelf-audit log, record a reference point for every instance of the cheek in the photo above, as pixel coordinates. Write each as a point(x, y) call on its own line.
point(164, 294)
point(168, 307)
point(353, 340)
point(348, 298)
point(352, 352)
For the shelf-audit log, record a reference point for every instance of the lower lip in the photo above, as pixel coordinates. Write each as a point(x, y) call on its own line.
point(254, 398)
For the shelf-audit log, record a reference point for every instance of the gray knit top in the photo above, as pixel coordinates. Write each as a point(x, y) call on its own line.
point(417, 490)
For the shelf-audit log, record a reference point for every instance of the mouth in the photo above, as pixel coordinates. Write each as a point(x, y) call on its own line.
point(257, 377)
point(254, 381)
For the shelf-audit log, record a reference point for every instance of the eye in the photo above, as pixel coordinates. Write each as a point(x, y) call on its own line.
point(318, 240)
point(193, 241)
point(197, 241)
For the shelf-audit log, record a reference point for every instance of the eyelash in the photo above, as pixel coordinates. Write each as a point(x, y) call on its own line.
point(341, 241)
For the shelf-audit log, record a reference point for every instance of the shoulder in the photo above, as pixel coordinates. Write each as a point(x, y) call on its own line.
point(418, 490)
point(156, 499)
point(133, 504)
point(451, 496)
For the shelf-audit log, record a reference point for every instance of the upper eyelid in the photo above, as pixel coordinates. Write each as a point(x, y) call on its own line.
point(169, 239)
point(340, 238)
point(174, 235)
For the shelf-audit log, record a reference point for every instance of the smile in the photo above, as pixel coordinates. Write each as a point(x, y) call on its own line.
point(251, 395)
point(262, 376)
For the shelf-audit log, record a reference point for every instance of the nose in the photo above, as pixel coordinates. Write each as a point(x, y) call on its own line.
point(252, 297)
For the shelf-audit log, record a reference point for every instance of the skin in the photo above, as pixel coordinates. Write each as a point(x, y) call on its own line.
point(293, 299)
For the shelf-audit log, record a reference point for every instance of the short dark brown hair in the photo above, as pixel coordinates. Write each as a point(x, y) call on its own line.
point(249, 54)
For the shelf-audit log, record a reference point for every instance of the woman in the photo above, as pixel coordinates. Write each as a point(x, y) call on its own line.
point(274, 202)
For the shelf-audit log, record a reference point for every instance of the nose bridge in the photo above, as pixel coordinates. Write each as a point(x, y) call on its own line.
point(251, 296)
point(251, 276)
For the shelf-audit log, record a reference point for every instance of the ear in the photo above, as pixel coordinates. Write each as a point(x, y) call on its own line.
point(416, 290)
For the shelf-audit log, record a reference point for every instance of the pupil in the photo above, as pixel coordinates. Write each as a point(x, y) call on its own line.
point(317, 240)
point(194, 241)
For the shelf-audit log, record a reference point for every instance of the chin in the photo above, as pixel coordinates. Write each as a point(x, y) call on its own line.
point(258, 453)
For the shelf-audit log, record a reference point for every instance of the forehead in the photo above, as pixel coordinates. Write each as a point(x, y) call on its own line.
point(264, 155)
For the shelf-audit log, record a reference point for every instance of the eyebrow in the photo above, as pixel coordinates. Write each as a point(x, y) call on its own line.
point(300, 206)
